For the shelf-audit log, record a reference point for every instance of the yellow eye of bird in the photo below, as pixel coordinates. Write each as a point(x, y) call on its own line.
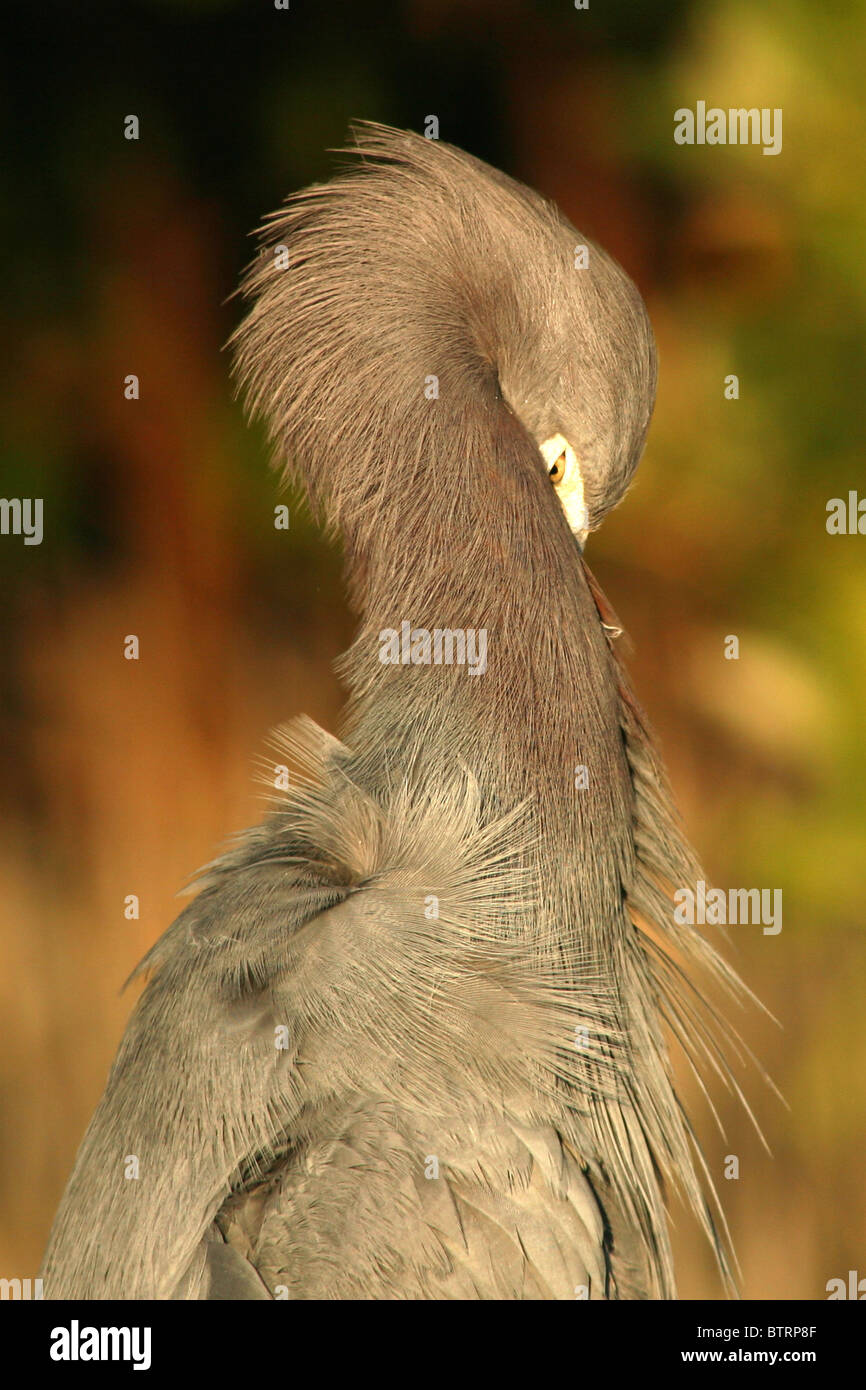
point(557, 469)
point(564, 471)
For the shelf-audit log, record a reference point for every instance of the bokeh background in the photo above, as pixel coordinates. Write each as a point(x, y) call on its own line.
point(119, 777)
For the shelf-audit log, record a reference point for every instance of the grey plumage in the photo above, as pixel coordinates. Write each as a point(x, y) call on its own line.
point(465, 959)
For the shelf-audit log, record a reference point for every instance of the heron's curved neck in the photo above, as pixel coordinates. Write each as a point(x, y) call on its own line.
point(490, 663)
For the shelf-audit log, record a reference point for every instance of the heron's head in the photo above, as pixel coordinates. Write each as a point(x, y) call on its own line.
point(575, 356)
point(432, 344)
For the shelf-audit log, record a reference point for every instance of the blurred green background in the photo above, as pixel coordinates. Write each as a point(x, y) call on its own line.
point(122, 777)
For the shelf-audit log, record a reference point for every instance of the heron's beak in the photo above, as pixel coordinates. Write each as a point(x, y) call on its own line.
point(609, 621)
